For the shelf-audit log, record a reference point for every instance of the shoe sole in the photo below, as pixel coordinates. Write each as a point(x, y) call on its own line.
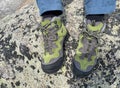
point(80, 73)
point(54, 67)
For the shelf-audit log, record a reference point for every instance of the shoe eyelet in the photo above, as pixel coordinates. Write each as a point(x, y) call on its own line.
point(55, 22)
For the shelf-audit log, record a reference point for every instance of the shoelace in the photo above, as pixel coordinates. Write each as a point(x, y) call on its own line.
point(89, 45)
point(50, 36)
point(97, 36)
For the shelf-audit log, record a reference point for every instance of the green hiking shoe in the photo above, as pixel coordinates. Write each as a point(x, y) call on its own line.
point(86, 55)
point(54, 33)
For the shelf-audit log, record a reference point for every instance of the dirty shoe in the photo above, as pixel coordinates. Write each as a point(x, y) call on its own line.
point(54, 33)
point(85, 58)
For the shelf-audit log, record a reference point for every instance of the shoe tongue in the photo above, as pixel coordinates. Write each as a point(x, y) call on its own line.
point(50, 17)
point(55, 20)
point(47, 18)
point(94, 26)
point(93, 22)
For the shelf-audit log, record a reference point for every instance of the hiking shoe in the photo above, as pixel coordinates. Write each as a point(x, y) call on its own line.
point(54, 33)
point(86, 55)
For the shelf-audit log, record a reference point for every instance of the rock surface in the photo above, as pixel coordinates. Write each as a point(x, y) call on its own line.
point(10, 6)
point(20, 50)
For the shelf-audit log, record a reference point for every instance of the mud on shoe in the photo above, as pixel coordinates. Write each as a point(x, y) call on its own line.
point(54, 33)
point(86, 55)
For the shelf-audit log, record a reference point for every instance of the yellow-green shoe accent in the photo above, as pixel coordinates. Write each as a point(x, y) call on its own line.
point(54, 33)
